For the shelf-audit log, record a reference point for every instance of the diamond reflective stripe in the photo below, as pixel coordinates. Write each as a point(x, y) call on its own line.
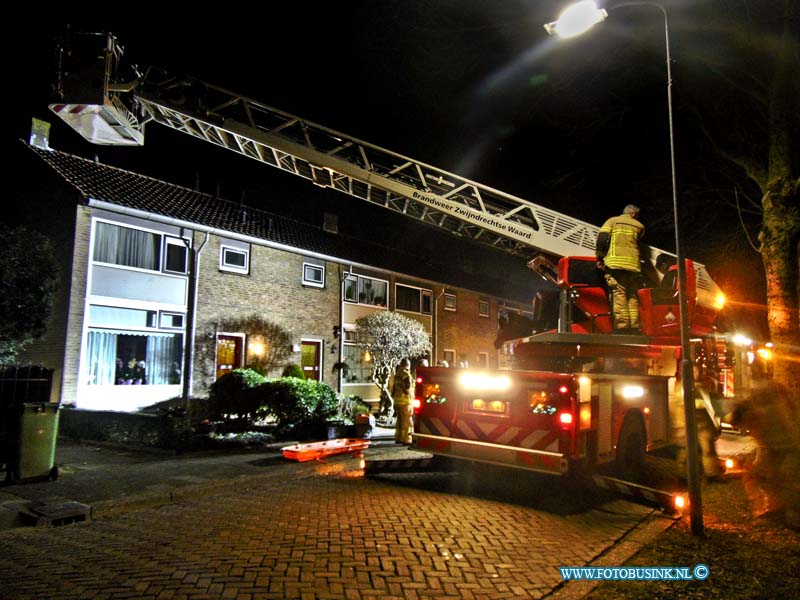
point(508, 435)
point(541, 440)
point(433, 426)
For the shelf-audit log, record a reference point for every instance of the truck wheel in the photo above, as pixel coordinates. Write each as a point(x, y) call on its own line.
point(631, 451)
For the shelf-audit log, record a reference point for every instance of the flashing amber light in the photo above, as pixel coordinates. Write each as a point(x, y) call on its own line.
point(646, 410)
point(679, 502)
point(764, 353)
point(729, 464)
point(565, 418)
point(563, 389)
point(719, 301)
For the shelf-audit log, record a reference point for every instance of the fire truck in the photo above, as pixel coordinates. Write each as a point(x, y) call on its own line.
point(569, 398)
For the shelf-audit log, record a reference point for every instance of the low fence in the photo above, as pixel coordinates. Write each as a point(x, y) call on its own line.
point(157, 431)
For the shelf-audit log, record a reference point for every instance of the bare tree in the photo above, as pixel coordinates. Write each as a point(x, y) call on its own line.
point(751, 120)
point(389, 337)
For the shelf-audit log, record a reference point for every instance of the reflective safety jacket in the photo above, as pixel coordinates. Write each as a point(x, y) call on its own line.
point(618, 243)
point(402, 389)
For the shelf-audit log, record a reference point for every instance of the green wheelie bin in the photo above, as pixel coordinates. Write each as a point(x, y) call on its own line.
point(33, 453)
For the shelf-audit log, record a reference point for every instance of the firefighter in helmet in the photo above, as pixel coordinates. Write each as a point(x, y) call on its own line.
point(402, 390)
point(617, 251)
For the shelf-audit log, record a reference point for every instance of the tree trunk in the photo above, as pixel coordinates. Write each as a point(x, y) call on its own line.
point(780, 246)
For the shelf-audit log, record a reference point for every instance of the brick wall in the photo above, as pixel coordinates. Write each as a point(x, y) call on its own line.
point(273, 289)
point(77, 305)
point(464, 330)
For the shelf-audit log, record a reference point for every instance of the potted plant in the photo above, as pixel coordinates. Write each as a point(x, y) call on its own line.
point(364, 420)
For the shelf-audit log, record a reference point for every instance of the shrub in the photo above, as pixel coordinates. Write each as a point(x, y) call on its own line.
point(233, 395)
point(296, 403)
point(349, 407)
point(291, 370)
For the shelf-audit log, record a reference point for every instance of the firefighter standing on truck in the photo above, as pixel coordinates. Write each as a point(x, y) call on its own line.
point(617, 251)
point(402, 390)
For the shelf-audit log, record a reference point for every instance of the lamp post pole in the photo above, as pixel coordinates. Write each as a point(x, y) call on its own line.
point(687, 372)
point(596, 15)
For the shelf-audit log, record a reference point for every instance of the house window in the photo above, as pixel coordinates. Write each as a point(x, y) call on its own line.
point(483, 360)
point(483, 308)
point(313, 275)
point(171, 320)
point(450, 302)
point(175, 251)
point(412, 299)
point(449, 357)
point(118, 357)
point(357, 370)
point(365, 290)
point(234, 260)
point(127, 247)
point(114, 316)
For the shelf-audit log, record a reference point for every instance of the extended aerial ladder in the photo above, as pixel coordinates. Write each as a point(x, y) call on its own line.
point(107, 110)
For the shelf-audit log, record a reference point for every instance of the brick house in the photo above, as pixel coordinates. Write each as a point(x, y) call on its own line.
point(125, 246)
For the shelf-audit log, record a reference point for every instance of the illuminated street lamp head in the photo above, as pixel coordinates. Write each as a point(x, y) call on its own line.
point(576, 19)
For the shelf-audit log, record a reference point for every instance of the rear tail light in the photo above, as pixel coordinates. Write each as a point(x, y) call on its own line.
point(565, 418)
point(416, 404)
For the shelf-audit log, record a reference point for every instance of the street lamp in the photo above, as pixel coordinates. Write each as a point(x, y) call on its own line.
point(575, 20)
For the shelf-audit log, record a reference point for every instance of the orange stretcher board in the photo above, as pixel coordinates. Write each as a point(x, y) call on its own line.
point(315, 450)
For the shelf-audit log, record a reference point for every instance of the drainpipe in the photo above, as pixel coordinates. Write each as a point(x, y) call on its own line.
point(342, 278)
point(193, 256)
point(435, 348)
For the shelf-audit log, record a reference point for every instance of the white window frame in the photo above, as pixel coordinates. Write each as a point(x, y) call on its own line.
point(310, 282)
point(163, 237)
point(165, 313)
point(452, 299)
point(488, 312)
point(356, 277)
point(423, 292)
point(175, 241)
point(234, 268)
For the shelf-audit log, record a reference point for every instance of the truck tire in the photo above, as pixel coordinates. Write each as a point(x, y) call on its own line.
point(631, 449)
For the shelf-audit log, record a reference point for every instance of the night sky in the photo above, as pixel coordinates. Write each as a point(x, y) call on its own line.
point(473, 87)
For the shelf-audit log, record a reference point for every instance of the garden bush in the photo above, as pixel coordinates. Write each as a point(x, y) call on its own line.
point(233, 396)
point(291, 370)
point(296, 404)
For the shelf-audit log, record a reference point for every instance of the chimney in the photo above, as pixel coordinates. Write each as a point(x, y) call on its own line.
point(330, 223)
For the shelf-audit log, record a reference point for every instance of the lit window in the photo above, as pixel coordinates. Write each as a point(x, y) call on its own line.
point(365, 290)
point(235, 260)
point(358, 370)
point(313, 275)
point(127, 247)
point(450, 302)
point(483, 308)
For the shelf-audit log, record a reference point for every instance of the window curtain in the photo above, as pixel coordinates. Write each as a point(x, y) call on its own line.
point(128, 247)
point(101, 357)
point(163, 359)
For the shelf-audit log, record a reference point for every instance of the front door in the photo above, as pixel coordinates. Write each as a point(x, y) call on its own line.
point(229, 353)
point(311, 353)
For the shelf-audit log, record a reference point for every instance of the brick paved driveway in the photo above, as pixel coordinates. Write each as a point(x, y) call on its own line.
point(324, 532)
